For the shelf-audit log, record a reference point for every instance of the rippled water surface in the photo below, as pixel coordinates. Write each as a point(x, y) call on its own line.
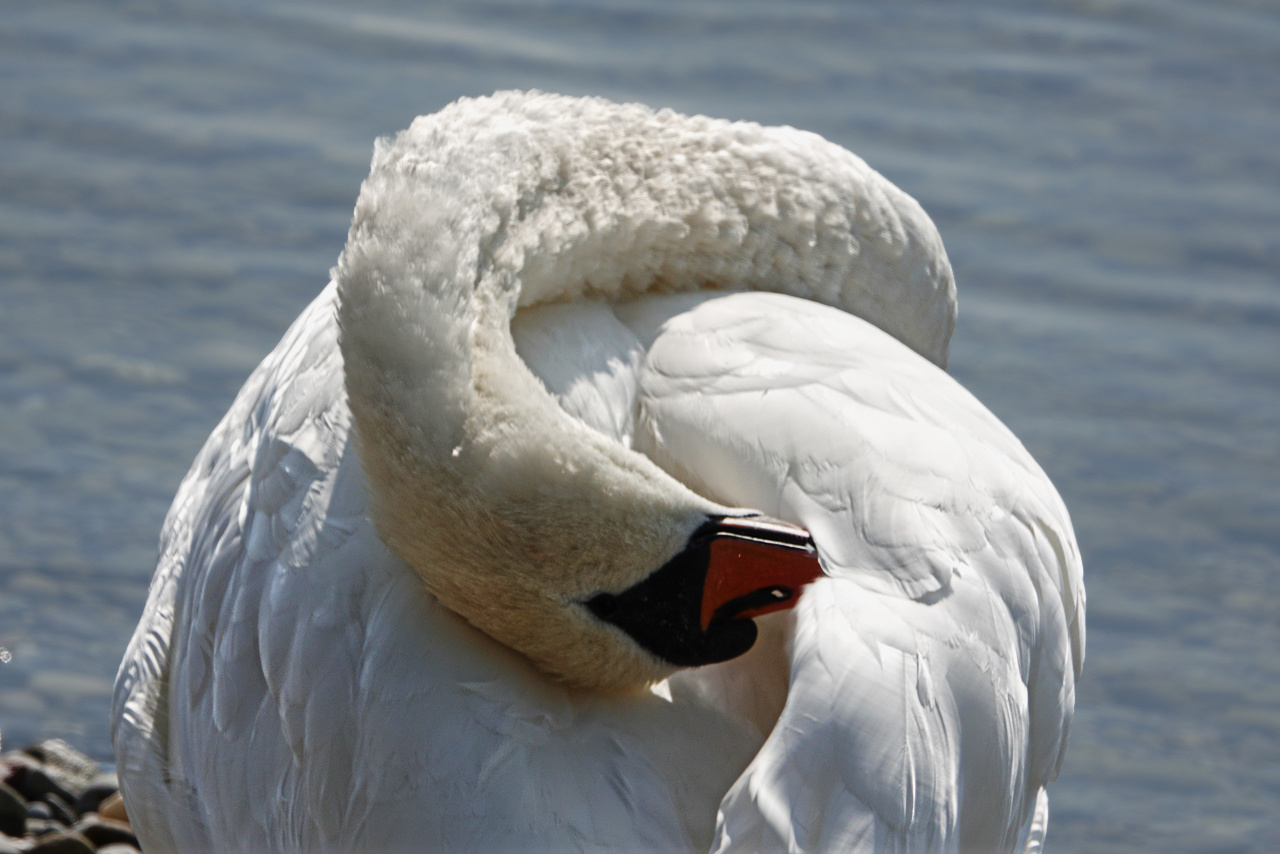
point(176, 179)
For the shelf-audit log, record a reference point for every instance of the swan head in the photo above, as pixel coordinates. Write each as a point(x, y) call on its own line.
point(699, 607)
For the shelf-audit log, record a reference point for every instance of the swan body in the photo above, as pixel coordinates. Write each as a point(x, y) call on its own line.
point(563, 334)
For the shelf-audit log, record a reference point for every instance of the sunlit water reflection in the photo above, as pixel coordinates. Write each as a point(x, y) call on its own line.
point(177, 179)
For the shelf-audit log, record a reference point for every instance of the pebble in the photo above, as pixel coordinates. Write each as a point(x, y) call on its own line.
point(103, 831)
point(13, 811)
point(14, 846)
point(62, 843)
point(113, 807)
point(56, 800)
point(26, 775)
point(102, 787)
point(71, 768)
point(41, 826)
point(61, 811)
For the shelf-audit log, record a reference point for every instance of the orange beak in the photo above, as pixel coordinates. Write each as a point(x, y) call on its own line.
point(757, 566)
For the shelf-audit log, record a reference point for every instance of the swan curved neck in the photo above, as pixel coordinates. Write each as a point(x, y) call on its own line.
point(510, 510)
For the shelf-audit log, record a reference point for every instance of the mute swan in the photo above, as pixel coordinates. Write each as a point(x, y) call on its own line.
point(427, 586)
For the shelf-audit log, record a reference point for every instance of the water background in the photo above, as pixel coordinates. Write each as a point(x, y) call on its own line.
point(176, 179)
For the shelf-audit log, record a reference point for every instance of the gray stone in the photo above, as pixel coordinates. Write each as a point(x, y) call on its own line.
point(62, 812)
point(71, 768)
point(13, 811)
point(41, 826)
point(30, 780)
point(62, 843)
point(103, 831)
point(102, 787)
point(14, 846)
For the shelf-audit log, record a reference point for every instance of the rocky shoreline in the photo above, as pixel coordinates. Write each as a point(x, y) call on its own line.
point(56, 800)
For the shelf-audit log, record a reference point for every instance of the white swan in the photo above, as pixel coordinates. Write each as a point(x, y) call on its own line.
point(533, 390)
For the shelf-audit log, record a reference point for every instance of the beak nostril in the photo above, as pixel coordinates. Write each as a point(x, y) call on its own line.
point(754, 604)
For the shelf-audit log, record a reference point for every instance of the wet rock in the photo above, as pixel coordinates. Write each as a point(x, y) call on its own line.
point(69, 767)
point(103, 831)
point(41, 826)
point(51, 767)
point(40, 810)
point(13, 811)
point(55, 800)
point(62, 843)
point(62, 812)
point(14, 846)
point(33, 782)
point(102, 787)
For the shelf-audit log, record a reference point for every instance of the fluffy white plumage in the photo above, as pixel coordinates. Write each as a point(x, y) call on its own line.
point(291, 687)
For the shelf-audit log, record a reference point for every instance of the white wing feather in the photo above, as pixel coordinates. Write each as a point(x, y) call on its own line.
point(933, 672)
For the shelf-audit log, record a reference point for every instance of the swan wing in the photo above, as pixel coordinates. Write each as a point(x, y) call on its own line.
point(291, 687)
point(932, 674)
point(208, 717)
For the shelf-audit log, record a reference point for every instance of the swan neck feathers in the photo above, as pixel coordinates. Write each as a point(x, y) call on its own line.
point(510, 510)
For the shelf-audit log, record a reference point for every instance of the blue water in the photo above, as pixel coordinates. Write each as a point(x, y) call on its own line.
point(176, 179)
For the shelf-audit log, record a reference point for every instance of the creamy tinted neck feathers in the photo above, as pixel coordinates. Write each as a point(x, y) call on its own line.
point(511, 511)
